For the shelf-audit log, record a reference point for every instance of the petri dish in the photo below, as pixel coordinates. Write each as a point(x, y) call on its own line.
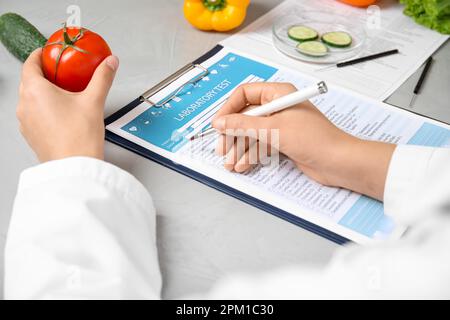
point(322, 22)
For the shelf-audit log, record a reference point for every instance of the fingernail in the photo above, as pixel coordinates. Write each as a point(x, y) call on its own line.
point(112, 62)
point(219, 124)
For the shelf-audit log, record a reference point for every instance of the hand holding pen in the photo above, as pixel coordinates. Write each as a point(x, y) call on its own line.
point(316, 146)
point(279, 104)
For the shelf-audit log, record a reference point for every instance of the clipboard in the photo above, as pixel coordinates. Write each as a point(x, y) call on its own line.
point(131, 146)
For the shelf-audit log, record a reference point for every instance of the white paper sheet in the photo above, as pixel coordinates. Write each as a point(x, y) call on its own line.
point(378, 78)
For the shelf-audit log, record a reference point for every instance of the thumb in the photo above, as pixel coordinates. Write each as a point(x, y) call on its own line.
point(238, 124)
point(102, 79)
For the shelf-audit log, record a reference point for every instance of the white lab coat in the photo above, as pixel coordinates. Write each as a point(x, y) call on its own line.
point(83, 228)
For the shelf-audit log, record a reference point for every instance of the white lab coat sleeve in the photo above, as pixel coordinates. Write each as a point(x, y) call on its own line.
point(81, 228)
point(418, 184)
point(417, 194)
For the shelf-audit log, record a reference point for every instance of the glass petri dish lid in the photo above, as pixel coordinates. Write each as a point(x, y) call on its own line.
point(322, 22)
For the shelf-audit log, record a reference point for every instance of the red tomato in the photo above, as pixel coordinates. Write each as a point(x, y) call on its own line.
point(81, 52)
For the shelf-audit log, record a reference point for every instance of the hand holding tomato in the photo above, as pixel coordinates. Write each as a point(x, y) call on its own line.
point(71, 56)
point(58, 124)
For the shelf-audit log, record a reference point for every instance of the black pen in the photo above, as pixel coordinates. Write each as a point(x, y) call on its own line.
point(419, 83)
point(362, 59)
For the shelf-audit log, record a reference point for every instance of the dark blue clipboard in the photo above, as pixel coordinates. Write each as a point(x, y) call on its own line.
point(116, 139)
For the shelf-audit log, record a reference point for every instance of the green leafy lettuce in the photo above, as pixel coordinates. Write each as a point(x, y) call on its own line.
point(434, 14)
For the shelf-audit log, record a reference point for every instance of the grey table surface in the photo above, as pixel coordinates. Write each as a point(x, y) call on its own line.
point(202, 234)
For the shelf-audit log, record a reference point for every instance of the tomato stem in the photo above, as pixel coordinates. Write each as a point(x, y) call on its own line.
point(67, 39)
point(67, 43)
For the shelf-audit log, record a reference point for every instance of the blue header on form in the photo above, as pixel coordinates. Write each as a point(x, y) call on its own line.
point(157, 125)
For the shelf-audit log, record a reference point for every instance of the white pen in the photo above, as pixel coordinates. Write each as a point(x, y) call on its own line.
point(279, 104)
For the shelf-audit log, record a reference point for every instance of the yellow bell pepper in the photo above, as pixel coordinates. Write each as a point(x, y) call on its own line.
point(217, 15)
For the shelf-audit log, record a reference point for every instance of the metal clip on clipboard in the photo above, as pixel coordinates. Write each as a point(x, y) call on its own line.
point(166, 82)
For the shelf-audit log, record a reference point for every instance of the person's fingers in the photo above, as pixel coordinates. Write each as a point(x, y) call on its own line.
point(224, 144)
point(243, 164)
point(242, 125)
point(230, 156)
point(236, 152)
point(242, 152)
point(253, 94)
point(220, 145)
point(249, 159)
point(102, 79)
point(244, 95)
point(32, 67)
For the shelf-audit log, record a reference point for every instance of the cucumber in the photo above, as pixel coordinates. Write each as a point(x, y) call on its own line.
point(302, 33)
point(312, 48)
point(338, 39)
point(19, 36)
